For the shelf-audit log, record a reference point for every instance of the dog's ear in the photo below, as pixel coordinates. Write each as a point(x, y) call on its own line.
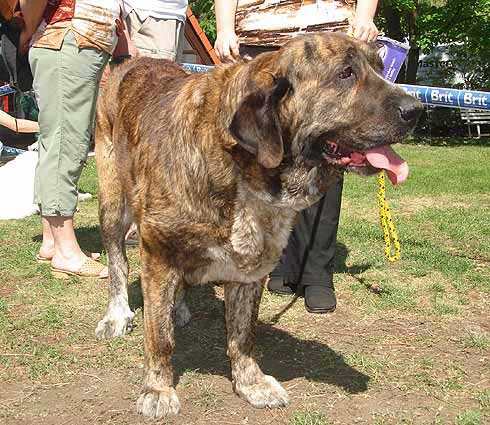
point(256, 124)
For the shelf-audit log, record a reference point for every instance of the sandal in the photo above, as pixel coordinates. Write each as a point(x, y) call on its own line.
point(93, 255)
point(90, 268)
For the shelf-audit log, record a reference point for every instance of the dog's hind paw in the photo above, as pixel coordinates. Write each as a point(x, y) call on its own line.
point(182, 315)
point(113, 325)
point(266, 393)
point(158, 404)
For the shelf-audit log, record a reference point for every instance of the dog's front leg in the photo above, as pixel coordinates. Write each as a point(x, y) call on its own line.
point(158, 397)
point(249, 382)
point(118, 318)
point(114, 223)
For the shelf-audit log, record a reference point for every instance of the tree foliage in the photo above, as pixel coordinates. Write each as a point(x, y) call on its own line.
point(204, 12)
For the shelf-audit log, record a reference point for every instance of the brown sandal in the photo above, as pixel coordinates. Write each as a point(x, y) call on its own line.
point(90, 268)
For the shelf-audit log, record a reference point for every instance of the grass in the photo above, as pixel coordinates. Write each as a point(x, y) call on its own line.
point(484, 399)
point(371, 367)
point(208, 398)
point(407, 338)
point(469, 417)
point(479, 341)
point(309, 418)
point(442, 215)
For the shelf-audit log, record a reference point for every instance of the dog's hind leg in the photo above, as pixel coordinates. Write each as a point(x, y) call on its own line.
point(114, 222)
point(249, 382)
point(160, 285)
point(182, 313)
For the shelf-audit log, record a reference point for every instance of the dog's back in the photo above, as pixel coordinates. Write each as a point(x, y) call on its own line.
point(145, 76)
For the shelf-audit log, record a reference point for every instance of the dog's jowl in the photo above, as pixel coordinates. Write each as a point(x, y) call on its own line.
point(214, 167)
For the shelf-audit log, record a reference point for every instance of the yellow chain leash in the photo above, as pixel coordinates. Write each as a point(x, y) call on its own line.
point(389, 232)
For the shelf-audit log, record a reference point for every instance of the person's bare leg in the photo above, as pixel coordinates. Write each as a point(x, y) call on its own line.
point(67, 253)
point(47, 249)
point(47, 246)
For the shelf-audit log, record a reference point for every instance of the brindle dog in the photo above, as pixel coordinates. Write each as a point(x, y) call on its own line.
point(213, 168)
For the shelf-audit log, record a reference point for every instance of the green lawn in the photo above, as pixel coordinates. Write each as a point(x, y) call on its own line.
point(442, 215)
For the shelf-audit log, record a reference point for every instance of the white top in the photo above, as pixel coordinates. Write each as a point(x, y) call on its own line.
point(160, 9)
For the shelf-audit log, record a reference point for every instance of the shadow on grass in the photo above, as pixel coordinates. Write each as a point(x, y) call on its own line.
point(201, 346)
point(286, 357)
point(135, 295)
point(355, 270)
point(88, 237)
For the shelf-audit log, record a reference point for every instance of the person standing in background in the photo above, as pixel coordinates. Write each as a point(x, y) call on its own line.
point(250, 28)
point(156, 27)
point(71, 44)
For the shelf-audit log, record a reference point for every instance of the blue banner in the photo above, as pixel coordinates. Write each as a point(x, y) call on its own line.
point(194, 67)
point(450, 98)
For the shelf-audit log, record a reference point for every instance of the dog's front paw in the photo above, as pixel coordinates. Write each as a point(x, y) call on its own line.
point(158, 404)
point(115, 324)
point(265, 393)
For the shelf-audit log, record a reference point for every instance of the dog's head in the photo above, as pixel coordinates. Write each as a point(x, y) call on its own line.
point(320, 102)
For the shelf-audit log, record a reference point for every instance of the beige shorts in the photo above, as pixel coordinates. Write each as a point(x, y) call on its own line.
point(157, 38)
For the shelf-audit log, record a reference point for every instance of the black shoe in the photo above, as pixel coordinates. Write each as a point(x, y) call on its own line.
point(277, 286)
point(320, 299)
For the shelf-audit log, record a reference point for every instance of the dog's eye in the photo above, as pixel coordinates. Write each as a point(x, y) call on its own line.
point(346, 73)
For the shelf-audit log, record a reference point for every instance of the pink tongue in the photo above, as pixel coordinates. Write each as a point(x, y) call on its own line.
point(387, 159)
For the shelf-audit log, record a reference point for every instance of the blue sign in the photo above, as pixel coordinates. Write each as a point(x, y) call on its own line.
point(450, 98)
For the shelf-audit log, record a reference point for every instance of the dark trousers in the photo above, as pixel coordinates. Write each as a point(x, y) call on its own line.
point(309, 258)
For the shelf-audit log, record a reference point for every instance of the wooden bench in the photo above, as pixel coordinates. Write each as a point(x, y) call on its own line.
point(475, 117)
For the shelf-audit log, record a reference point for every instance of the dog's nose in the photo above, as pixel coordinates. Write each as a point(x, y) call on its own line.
point(409, 108)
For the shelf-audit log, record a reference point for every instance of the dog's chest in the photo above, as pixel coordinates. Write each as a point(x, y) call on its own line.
point(258, 236)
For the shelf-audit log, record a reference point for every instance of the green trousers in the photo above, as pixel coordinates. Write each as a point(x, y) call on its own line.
point(66, 84)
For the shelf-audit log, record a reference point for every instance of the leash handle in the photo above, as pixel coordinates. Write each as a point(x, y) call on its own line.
point(392, 244)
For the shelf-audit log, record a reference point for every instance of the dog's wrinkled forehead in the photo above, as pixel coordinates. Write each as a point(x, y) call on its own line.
point(318, 54)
